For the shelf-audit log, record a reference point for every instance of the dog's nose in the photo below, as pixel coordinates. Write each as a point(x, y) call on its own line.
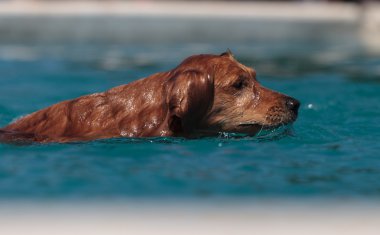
point(292, 104)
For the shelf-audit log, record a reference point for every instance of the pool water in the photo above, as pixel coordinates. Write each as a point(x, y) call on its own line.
point(331, 151)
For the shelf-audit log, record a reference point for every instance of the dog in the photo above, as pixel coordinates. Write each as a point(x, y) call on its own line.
point(203, 96)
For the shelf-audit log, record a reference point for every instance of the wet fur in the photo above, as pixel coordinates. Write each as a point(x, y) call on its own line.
point(202, 96)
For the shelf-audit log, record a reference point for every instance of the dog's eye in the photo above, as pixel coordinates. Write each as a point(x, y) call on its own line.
point(240, 84)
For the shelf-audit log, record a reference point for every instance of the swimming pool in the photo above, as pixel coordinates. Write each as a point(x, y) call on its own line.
point(332, 151)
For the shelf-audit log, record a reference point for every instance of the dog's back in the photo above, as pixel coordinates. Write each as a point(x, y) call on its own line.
point(120, 111)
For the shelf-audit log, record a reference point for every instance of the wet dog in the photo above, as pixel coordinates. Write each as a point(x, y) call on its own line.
point(203, 96)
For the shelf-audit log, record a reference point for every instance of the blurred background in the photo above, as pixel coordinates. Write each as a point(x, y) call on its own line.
point(321, 176)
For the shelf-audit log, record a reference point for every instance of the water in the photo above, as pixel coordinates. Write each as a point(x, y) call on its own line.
point(332, 151)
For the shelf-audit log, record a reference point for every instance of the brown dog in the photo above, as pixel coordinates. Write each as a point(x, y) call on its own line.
point(204, 95)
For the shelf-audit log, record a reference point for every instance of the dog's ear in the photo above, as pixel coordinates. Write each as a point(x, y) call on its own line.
point(191, 97)
point(228, 53)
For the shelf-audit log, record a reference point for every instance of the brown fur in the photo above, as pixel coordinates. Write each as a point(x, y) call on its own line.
point(204, 95)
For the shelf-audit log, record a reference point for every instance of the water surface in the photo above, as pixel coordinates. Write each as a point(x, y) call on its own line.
point(332, 151)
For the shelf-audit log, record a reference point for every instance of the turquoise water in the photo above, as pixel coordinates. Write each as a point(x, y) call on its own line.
point(332, 151)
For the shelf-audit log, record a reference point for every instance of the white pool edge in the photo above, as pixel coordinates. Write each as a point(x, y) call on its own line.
point(289, 11)
point(188, 218)
point(364, 19)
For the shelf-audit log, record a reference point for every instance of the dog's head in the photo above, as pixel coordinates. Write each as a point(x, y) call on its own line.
point(214, 94)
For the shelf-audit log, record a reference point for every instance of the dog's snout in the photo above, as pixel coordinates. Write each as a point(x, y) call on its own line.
point(292, 104)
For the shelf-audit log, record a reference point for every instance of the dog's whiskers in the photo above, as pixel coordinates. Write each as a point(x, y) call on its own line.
point(261, 129)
